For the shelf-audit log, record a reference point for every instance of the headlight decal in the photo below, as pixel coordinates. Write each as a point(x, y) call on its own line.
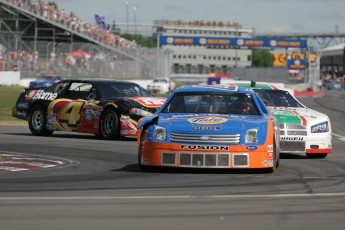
point(251, 136)
point(320, 128)
point(160, 133)
point(139, 112)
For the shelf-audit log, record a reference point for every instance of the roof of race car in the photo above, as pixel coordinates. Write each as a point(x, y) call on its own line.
point(213, 88)
point(254, 85)
point(95, 80)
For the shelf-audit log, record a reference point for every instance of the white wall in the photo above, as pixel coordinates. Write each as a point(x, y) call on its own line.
point(9, 78)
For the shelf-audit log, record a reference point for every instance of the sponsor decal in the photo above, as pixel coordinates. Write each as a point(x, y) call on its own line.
point(270, 156)
point(217, 128)
point(203, 41)
point(149, 101)
point(270, 163)
point(124, 132)
point(265, 162)
point(183, 41)
point(252, 148)
point(218, 42)
point(273, 43)
point(31, 94)
point(288, 116)
point(41, 94)
point(205, 138)
point(253, 43)
point(23, 105)
point(270, 148)
point(310, 116)
point(207, 120)
point(205, 147)
point(133, 132)
point(291, 138)
point(127, 122)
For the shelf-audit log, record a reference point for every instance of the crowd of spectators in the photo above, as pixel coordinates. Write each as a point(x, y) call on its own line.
point(61, 61)
point(333, 80)
point(70, 20)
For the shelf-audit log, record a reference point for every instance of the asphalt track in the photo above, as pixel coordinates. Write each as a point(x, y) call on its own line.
point(99, 186)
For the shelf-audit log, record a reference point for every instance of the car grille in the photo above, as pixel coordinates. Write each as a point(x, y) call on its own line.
point(292, 146)
point(233, 139)
point(205, 160)
point(293, 130)
point(168, 159)
point(240, 160)
point(198, 160)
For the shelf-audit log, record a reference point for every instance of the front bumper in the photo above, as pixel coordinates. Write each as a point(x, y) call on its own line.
point(320, 143)
point(175, 155)
point(21, 114)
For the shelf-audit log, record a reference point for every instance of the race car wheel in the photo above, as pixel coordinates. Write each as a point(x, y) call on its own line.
point(317, 156)
point(38, 121)
point(110, 125)
point(144, 168)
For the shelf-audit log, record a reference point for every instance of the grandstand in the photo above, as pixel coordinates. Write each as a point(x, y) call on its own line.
point(37, 37)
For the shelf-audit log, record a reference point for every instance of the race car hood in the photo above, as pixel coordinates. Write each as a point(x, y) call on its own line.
point(148, 102)
point(302, 116)
point(211, 123)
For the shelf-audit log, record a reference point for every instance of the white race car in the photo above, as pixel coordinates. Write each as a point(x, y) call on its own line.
point(161, 85)
point(302, 130)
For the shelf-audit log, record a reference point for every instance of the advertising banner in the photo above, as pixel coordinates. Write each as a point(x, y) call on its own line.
point(225, 42)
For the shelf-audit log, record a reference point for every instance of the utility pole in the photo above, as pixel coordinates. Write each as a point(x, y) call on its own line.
point(127, 16)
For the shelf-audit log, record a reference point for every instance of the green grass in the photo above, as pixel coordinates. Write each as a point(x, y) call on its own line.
point(8, 98)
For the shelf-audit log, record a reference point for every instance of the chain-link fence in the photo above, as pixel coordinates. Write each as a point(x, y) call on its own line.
point(94, 62)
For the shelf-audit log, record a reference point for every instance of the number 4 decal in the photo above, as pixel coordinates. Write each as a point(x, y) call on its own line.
point(67, 112)
point(71, 113)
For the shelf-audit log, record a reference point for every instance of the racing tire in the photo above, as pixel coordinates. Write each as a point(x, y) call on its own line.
point(143, 168)
point(110, 125)
point(317, 156)
point(38, 121)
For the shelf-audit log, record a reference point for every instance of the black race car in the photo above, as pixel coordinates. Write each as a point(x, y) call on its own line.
point(107, 108)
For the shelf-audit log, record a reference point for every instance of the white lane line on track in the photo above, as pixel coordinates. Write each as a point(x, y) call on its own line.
point(340, 137)
point(176, 197)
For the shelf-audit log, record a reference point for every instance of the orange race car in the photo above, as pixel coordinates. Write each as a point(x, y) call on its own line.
point(210, 127)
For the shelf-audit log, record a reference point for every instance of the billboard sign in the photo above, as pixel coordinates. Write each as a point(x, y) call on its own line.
point(225, 42)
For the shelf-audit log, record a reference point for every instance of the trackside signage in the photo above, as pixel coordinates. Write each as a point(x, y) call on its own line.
point(232, 41)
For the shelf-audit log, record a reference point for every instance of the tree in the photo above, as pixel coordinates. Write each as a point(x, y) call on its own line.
point(141, 40)
point(262, 58)
point(53, 4)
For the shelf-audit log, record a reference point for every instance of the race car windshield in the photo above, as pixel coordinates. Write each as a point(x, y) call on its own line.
point(278, 98)
point(123, 89)
point(236, 103)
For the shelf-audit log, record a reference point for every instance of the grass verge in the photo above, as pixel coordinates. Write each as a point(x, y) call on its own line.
point(8, 98)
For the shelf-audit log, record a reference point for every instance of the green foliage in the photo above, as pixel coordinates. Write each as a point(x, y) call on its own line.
point(141, 40)
point(53, 4)
point(262, 58)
